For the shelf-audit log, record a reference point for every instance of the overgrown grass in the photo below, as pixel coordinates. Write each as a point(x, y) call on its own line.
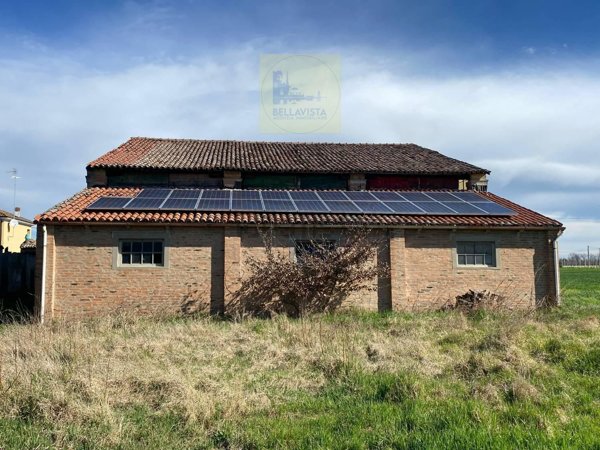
point(352, 380)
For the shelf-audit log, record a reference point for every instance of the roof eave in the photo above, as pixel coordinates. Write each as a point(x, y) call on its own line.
point(21, 220)
point(545, 227)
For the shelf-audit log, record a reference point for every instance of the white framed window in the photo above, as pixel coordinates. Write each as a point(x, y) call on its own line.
point(142, 252)
point(476, 253)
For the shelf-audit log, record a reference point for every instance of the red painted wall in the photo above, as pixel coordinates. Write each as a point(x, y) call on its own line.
point(407, 182)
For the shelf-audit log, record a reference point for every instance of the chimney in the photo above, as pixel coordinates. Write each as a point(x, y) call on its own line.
point(17, 211)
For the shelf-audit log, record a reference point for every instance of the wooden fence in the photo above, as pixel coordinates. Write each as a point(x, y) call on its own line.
point(17, 274)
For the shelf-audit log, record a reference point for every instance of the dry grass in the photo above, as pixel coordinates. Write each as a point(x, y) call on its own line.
point(107, 382)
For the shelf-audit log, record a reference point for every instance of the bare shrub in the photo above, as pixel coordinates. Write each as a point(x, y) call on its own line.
point(321, 278)
point(476, 300)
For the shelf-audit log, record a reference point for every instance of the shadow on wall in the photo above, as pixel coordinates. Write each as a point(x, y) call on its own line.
point(195, 303)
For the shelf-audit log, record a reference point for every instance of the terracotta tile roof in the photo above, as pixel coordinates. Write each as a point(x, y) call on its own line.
point(296, 157)
point(73, 211)
point(29, 243)
point(6, 214)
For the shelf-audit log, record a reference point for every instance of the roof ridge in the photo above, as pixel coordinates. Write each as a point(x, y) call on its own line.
point(149, 138)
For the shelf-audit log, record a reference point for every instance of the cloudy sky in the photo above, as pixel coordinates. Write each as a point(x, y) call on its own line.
point(512, 86)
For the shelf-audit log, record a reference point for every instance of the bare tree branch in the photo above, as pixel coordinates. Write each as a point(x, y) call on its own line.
point(319, 280)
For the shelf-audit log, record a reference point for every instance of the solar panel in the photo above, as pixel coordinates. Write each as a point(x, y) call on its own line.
point(373, 207)
point(179, 203)
point(246, 195)
point(186, 193)
point(360, 196)
point(387, 196)
point(442, 197)
point(351, 202)
point(279, 206)
point(110, 203)
point(304, 195)
point(332, 195)
point(145, 203)
point(275, 195)
point(246, 205)
point(212, 204)
point(342, 206)
point(414, 196)
point(469, 197)
point(311, 206)
point(404, 207)
point(213, 193)
point(463, 207)
point(494, 208)
point(154, 193)
point(433, 208)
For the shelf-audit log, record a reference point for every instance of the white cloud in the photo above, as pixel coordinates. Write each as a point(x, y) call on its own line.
point(549, 116)
point(529, 50)
point(537, 131)
point(580, 234)
point(539, 170)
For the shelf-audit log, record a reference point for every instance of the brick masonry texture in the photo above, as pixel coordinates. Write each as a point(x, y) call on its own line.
point(82, 282)
point(425, 276)
point(206, 264)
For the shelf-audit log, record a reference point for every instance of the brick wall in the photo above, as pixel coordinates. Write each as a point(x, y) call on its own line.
point(205, 264)
point(426, 275)
point(86, 283)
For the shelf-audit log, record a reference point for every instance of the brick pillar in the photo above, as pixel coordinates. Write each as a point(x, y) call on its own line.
point(400, 300)
point(384, 287)
point(232, 262)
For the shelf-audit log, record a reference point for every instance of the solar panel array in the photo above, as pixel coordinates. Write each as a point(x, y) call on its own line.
point(352, 202)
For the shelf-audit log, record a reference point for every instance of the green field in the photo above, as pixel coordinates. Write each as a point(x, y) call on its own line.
point(352, 380)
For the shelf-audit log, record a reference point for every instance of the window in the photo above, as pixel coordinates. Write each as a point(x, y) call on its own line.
point(142, 252)
point(315, 248)
point(476, 253)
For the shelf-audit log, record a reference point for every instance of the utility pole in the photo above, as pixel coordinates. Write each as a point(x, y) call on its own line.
point(13, 175)
point(588, 260)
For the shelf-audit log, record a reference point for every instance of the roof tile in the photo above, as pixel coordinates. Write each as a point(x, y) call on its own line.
point(294, 157)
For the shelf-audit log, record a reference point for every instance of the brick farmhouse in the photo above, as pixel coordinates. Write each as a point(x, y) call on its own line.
point(92, 262)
